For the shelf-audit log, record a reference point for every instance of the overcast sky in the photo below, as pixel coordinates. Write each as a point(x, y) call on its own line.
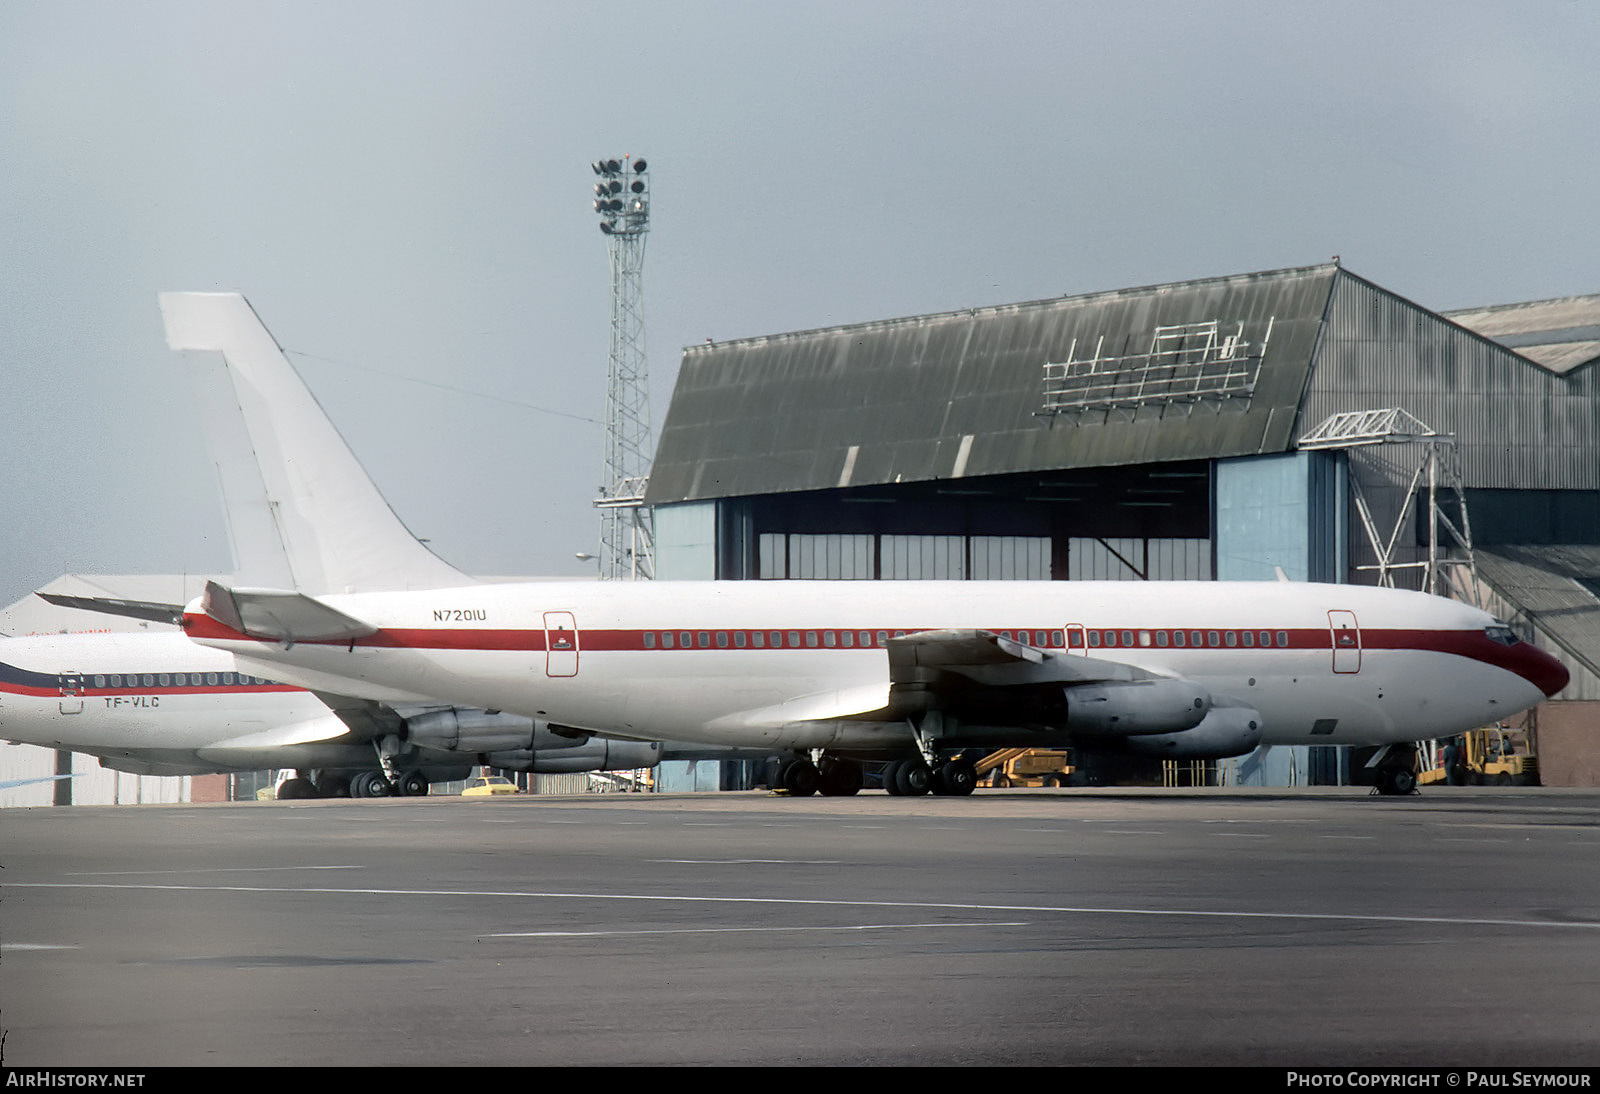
point(403, 192)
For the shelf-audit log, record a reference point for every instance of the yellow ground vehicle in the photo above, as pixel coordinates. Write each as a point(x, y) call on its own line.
point(489, 786)
point(1492, 756)
point(1025, 767)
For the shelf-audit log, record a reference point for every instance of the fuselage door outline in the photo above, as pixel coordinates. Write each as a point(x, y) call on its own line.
point(561, 644)
point(1345, 635)
point(72, 693)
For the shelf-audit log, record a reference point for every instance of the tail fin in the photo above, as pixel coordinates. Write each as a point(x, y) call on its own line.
point(337, 531)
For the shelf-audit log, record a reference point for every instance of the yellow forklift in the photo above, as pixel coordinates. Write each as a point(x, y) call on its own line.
point(1491, 756)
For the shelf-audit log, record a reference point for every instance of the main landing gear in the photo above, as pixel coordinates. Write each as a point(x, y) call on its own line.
point(375, 784)
point(831, 776)
point(911, 778)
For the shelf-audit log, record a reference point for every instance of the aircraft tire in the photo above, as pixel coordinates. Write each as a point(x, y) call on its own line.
point(800, 779)
point(413, 785)
point(956, 779)
point(839, 778)
point(891, 782)
point(914, 779)
point(369, 784)
point(295, 789)
point(1397, 781)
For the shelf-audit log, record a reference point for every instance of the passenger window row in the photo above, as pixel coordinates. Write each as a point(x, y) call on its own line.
point(176, 680)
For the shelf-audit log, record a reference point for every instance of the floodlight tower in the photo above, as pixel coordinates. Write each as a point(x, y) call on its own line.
point(627, 541)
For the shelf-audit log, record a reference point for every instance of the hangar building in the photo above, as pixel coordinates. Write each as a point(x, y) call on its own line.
point(1162, 432)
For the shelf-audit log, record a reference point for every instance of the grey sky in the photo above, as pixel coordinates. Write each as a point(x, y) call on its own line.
point(404, 187)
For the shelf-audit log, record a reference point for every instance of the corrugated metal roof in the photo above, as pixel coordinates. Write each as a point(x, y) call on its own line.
point(1561, 334)
point(1554, 586)
point(959, 394)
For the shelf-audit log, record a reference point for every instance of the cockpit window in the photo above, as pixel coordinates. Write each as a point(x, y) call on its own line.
point(1502, 634)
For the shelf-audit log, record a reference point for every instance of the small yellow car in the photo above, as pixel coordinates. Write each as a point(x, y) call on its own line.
point(489, 786)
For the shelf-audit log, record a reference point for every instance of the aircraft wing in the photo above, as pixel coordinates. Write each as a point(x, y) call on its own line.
point(324, 727)
point(279, 616)
point(990, 659)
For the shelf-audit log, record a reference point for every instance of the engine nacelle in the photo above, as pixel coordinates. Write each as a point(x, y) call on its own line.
point(595, 754)
point(460, 729)
point(1224, 732)
point(1139, 707)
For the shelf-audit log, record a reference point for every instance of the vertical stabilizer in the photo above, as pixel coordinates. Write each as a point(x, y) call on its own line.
point(337, 531)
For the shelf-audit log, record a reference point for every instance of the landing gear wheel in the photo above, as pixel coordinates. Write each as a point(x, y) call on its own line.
point(839, 778)
point(295, 789)
point(957, 778)
point(412, 785)
point(370, 784)
point(1396, 781)
point(913, 779)
point(798, 777)
point(890, 777)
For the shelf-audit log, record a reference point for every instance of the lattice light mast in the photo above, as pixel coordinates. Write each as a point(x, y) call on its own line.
point(627, 542)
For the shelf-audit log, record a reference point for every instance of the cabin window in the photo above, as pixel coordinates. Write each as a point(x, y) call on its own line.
point(1213, 639)
point(211, 679)
point(649, 640)
point(794, 640)
point(848, 638)
point(666, 640)
point(1248, 638)
point(829, 639)
point(1283, 639)
point(722, 640)
point(1144, 639)
point(739, 639)
point(685, 639)
point(1161, 639)
point(883, 638)
point(1231, 638)
point(758, 639)
point(1179, 638)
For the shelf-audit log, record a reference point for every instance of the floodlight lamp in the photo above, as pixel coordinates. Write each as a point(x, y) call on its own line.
point(612, 167)
point(607, 227)
point(598, 167)
point(638, 166)
point(615, 187)
point(638, 186)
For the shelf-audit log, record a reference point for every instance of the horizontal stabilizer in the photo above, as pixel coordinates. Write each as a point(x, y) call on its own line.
point(132, 609)
point(279, 616)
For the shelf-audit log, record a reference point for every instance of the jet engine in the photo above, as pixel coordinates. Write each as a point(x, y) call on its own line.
point(1225, 731)
point(459, 729)
point(1136, 708)
point(595, 754)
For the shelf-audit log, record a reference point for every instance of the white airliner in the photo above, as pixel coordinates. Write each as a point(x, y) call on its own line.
point(916, 672)
point(302, 511)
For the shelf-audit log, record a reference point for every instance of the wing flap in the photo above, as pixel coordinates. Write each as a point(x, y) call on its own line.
point(991, 659)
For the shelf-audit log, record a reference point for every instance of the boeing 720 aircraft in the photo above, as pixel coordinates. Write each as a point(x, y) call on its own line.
point(914, 672)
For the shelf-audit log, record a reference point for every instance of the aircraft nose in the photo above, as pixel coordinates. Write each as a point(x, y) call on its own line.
point(1546, 673)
